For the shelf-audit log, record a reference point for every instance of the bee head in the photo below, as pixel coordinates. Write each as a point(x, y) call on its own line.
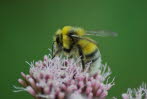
point(64, 37)
point(70, 30)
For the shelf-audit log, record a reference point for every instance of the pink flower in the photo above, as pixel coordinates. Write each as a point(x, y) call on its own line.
point(139, 93)
point(63, 78)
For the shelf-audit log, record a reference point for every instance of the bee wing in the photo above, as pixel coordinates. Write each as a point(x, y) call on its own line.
point(79, 37)
point(102, 33)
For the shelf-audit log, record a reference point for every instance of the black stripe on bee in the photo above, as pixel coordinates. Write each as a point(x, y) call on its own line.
point(72, 32)
point(95, 59)
point(67, 50)
point(61, 39)
point(91, 54)
point(57, 39)
point(82, 57)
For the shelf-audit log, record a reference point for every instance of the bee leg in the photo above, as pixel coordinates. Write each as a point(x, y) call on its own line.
point(55, 53)
point(82, 57)
point(53, 56)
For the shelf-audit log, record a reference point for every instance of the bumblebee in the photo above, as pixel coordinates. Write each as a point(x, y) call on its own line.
point(72, 41)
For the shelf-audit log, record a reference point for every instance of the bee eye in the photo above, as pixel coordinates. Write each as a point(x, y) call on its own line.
point(57, 40)
point(71, 33)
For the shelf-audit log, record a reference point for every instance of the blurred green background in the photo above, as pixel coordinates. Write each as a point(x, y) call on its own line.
point(27, 28)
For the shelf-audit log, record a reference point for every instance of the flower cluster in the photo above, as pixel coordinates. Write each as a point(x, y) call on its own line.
point(139, 93)
point(63, 78)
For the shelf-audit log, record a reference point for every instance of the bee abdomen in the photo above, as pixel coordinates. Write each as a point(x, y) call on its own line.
point(95, 59)
point(95, 62)
point(91, 54)
point(92, 57)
